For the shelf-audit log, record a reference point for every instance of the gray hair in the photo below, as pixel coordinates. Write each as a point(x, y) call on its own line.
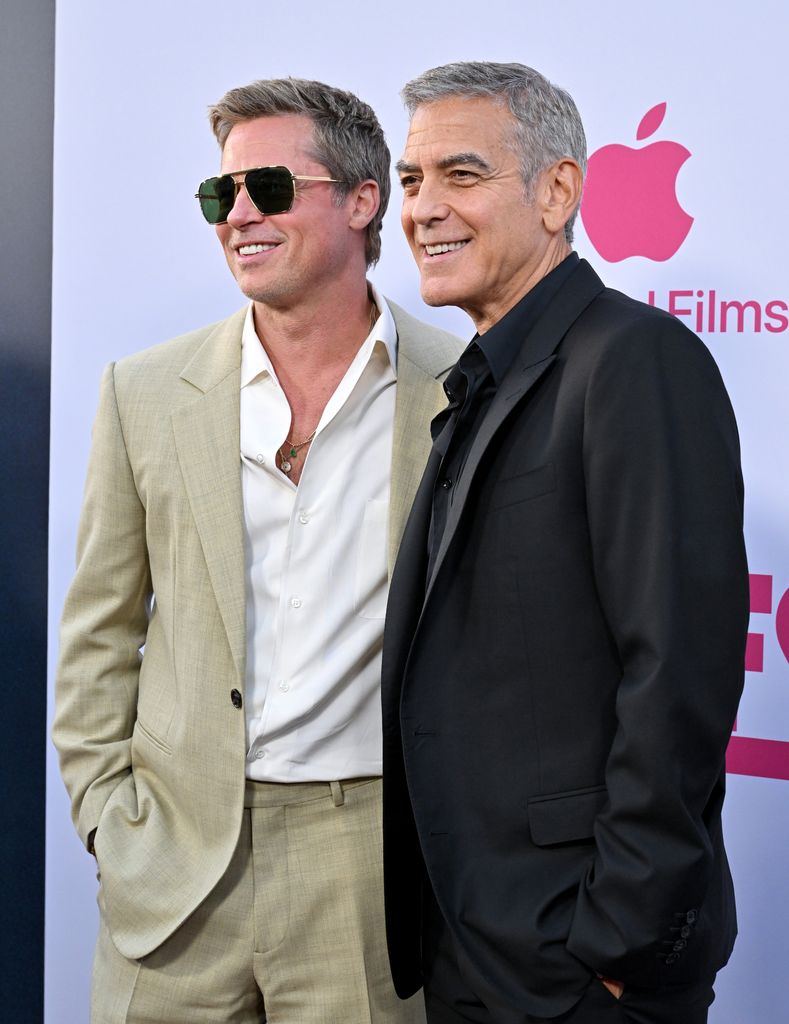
point(548, 125)
point(347, 137)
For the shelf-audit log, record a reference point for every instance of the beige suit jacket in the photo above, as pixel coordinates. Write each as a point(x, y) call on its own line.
point(152, 748)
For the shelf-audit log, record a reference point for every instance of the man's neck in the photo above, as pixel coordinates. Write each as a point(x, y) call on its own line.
point(499, 304)
point(319, 334)
point(311, 347)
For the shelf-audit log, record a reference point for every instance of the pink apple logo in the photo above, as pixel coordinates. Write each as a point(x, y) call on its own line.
point(630, 205)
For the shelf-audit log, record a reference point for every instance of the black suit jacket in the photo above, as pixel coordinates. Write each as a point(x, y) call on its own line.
point(557, 700)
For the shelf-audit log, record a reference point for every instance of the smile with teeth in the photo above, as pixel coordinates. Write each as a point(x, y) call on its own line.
point(250, 250)
point(440, 247)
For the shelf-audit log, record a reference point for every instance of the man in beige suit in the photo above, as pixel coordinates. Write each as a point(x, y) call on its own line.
point(218, 715)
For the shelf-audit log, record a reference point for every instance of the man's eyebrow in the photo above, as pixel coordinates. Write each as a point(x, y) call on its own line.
point(452, 160)
point(463, 158)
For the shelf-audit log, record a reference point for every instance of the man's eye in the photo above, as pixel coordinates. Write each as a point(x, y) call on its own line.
point(460, 176)
point(409, 182)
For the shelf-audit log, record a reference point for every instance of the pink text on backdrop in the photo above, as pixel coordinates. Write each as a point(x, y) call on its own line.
point(752, 755)
point(705, 312)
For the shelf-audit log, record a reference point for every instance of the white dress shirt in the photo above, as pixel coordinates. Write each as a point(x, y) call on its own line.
point(316, 567)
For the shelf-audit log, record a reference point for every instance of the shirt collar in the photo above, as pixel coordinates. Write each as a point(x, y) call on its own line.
point(256, 363)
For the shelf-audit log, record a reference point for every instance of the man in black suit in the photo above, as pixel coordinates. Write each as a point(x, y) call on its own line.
point(566, 625)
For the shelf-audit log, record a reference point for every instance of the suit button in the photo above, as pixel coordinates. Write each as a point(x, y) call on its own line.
point(235, 697)
point(691, 916)
point(679, 945)
point(446, 483)
point(685, 931)
point(671, 959)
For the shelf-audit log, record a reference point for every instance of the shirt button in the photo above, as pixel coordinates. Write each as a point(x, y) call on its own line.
point(446, 483)
point(303, 518)
point(295, 602)
point(261, 459)
point(260, 754)
point(235, 697)
point(284, 686)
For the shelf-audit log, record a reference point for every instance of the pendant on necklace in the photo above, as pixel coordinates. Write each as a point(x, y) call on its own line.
point(286, 466)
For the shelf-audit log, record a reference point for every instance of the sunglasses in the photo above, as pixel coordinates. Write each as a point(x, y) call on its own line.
point(270, 190)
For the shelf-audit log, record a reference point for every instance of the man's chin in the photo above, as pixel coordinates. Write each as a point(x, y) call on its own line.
point(433, 296)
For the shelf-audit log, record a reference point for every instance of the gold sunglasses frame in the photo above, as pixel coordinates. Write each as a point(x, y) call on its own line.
point(238, 185)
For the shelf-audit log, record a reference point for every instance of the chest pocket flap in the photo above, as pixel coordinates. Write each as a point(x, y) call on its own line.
point(565, 817)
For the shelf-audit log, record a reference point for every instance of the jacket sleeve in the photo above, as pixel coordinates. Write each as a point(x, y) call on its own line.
point(664, 496)
point(103, 626)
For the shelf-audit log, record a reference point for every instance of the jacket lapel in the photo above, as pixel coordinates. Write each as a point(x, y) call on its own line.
point(420, 397)
point(423, 355)
point(208, 445)
point(407, 592)
point(534, 358)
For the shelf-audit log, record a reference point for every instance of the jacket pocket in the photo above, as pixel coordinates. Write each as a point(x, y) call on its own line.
point(565, 817)
point(140, 729)
point(525, 486)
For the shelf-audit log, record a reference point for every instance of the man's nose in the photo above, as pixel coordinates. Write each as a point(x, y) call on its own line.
point(429, 204)
point(244, 210)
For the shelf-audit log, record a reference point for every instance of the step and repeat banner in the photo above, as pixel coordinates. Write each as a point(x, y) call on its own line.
point(684, 108)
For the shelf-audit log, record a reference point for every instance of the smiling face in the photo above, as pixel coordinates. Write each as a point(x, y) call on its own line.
point(281, 258)
point(477, 242)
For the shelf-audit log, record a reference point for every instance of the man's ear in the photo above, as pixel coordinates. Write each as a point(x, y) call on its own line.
point(560, 190)
point(364, 202)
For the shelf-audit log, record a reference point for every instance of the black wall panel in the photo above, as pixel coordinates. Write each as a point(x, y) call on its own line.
point(27, 32)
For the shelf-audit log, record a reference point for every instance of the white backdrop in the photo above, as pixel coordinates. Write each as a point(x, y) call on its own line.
point(135, 264)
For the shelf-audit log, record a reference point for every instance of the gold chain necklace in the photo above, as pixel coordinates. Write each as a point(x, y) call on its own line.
point(286, 464)
point(294, 447)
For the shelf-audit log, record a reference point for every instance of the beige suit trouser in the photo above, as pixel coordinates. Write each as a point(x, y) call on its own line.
point(292, 934)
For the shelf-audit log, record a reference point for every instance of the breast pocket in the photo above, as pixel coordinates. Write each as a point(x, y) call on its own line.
point(371, 583)
point(524, 487)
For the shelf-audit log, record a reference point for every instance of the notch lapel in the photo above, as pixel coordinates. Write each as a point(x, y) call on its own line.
point(424, 356)
point(535, 357)
point(419, 398)
point(207, 441)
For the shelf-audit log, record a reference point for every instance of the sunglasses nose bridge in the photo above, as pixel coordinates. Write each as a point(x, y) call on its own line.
point(239, 186)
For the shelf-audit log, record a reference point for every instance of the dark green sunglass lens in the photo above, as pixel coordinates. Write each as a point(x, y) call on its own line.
point(217, 196)
point(270, 189)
